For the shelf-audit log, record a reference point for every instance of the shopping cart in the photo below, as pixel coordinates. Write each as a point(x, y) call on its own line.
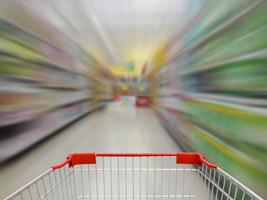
point(97, 176)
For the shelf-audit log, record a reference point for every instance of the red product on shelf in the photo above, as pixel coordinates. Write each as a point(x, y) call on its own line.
point(116, 98)
point(143, 101)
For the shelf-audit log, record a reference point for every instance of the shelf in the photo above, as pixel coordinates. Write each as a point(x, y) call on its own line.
point(11, 57)
point(17, 115)
point(46, 126)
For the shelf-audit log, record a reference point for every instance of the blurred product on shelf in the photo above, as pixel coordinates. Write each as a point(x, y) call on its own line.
point(143, 101)
point(116, 98)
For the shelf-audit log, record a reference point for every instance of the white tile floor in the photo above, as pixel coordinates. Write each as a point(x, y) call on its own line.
point(118, 128)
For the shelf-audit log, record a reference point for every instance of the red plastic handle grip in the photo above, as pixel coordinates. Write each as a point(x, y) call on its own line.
point(193, 158)
point(77, 159)
point(90, 158)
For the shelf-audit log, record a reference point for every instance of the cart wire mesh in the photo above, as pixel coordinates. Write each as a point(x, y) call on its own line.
point(106, 176)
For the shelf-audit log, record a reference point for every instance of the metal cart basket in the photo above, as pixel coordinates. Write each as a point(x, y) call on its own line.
point(101, 176)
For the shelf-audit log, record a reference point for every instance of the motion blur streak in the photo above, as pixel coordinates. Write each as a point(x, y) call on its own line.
point(201, 63)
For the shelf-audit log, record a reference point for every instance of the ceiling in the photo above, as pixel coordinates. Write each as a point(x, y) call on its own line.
point(115, 31)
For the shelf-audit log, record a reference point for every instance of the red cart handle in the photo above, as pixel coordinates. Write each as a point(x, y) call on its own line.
point(90, 158)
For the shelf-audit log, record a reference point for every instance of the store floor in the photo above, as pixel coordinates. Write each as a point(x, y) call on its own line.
point(117, 128)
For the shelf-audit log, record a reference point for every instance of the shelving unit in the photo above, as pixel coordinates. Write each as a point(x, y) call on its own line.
point(39, 92)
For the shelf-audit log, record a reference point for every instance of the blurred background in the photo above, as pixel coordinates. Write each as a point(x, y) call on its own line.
point(133, 75)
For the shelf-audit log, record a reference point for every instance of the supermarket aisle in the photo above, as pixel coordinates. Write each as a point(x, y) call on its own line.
point(118, 128)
